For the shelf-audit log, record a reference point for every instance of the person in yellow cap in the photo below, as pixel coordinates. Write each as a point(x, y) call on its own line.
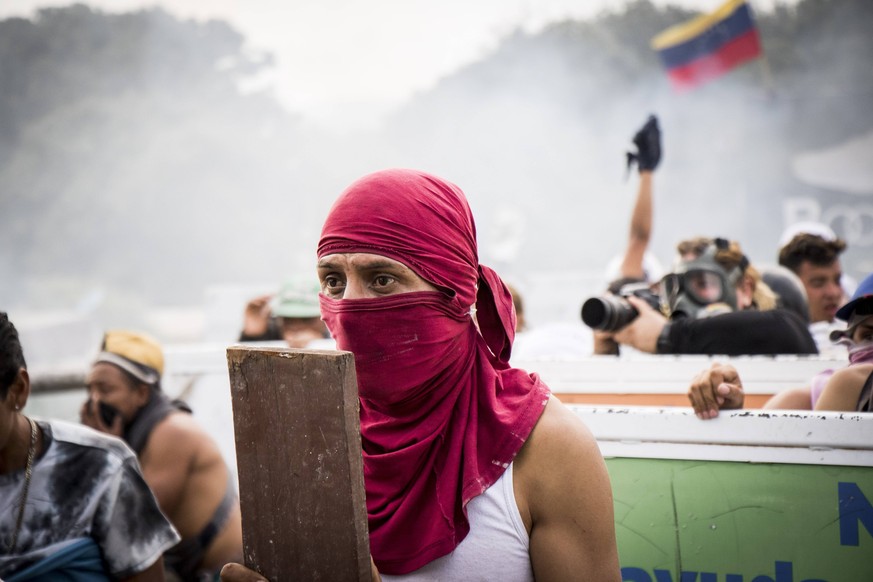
point(181, 463)
point(292, 315)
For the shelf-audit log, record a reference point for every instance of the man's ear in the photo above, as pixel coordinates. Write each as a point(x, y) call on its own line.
point(19, 390)
point(142, 392)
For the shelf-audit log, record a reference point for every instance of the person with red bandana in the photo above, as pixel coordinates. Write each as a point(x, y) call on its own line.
point(472, 469)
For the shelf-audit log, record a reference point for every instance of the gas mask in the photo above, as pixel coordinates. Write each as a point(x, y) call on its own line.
point(701, 287)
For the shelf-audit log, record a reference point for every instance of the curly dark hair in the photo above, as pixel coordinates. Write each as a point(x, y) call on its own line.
point(11, 354)
point(811, 248)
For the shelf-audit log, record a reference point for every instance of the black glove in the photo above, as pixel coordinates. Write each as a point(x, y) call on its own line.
point(648, 142)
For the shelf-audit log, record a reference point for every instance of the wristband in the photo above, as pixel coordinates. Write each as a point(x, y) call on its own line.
point(665, 344)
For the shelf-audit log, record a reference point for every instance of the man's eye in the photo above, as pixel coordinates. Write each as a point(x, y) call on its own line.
point(383, 280)
point(332, 284)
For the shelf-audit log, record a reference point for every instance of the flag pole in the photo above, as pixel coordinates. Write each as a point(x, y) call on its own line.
point(764, 65)
point(767, 76)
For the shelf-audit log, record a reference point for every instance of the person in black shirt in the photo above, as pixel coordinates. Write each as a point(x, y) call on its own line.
point(717, 304)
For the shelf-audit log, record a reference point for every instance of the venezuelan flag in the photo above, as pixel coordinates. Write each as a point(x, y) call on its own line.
point(708, 46)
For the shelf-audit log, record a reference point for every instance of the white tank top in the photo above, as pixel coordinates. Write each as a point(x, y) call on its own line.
point(497, 547)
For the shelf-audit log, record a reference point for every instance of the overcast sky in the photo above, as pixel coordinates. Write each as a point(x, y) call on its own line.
point(344, 57)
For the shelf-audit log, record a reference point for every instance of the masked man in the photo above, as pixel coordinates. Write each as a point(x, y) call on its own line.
point(180, 462)
point(473, 471)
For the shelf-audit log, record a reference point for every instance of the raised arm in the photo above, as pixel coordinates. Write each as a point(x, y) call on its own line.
point(647, 157)
point(640, 230)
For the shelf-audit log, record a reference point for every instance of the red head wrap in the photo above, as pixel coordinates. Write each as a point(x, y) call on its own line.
point(442, 413)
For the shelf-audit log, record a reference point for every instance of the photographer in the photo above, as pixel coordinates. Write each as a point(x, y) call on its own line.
point(717, 304)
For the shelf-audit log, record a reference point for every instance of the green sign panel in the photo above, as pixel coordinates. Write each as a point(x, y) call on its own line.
point(713, 521)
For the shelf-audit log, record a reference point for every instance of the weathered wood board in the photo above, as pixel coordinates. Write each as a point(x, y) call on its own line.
point(298, 448)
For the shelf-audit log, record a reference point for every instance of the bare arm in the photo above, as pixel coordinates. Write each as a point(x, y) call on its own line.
point(167, 461)
point(256, 317)
point(844, 388)
point(791, 399)
point(640, 229)
point(565, 499)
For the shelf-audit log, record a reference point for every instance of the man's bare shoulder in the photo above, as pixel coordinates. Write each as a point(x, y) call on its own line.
point(178, 432)
point(565, 498)
point(559, 445)
point(180, 423)
point(560, 432)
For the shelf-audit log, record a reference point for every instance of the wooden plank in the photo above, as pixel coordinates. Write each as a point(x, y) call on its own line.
point(298, 444)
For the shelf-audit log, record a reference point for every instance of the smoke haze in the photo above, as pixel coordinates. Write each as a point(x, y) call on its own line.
point(138, 176)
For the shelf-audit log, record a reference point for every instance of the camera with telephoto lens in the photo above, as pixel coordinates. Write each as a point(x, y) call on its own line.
point(613, 312)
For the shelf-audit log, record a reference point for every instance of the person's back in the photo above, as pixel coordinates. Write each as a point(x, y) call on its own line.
point(184, 467)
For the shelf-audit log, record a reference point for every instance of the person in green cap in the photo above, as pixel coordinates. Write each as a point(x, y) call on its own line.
point(291, 315)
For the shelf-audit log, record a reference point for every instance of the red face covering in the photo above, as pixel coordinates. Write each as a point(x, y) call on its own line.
point(442, 413)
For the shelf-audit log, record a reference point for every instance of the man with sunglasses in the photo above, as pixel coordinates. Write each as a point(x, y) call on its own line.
point(715, 303)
